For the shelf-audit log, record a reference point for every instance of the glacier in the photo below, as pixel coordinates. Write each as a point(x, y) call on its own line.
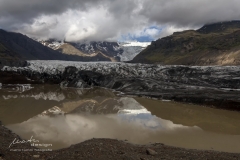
point(208, 85)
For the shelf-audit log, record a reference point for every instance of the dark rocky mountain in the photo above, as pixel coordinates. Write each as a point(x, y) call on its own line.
point(213, 44)
point(19, 46)
point(110, 49)
point(26, 48)
point(219, 27)
point(9, 58)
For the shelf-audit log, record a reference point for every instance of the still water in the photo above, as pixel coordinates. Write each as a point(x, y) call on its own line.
point(66, 116)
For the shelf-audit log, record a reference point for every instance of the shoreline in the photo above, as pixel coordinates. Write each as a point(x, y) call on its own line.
point(104, 149)
point(212, 98)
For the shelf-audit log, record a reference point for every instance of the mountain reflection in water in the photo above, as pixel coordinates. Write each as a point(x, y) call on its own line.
point(65, 116)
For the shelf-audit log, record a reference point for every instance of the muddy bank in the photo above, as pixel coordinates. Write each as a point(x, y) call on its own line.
point(104, 149)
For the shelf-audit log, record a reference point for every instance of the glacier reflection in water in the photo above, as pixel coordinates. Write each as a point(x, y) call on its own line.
point(54, 125)
point(68, 116)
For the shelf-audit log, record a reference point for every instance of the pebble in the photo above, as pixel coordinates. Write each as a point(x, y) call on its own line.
point(151, 152)
point(36, 156)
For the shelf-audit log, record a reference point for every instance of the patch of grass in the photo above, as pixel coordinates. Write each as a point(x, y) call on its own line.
point(2, 48)
point(190, 44)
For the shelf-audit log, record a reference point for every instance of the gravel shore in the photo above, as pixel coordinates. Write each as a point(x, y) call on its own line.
point(104, 149)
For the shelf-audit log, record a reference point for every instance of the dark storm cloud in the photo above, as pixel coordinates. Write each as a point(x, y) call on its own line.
point(27, 9)
point(110, 19)
point(23, 15)
point(190, 12)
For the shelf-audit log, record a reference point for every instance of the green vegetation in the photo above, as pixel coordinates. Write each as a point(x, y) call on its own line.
point(6, 54)
point(2, 48)
point(205, 46)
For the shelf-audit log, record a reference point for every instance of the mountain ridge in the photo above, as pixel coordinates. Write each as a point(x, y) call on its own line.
point(9, 58)
point(114, 51)
point(212, 44)
point(26, 48)
point(16, 48)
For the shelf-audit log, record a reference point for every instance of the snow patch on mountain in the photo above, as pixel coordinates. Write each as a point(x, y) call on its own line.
point(120, 51)
point(52, 44)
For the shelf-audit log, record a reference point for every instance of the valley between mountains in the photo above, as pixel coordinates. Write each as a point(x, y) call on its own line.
point(181, 67)
point(198, 67)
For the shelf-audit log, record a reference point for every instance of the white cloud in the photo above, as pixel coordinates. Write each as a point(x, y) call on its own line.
point(76, 25)
point(168, 30)
point(109, 20)
point(152, 32)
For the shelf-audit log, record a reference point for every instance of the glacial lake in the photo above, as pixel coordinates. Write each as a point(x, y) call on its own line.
point(65, 116)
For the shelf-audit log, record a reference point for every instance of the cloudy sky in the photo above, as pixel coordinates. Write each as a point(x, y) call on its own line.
point(111, 20)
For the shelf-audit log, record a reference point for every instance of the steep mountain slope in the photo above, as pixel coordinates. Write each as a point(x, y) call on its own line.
point(7, 54)
point(111, 50)
point(9, 58)
point(28, 49)
point(213, 44)
point(107, 50)
point(69, 49)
